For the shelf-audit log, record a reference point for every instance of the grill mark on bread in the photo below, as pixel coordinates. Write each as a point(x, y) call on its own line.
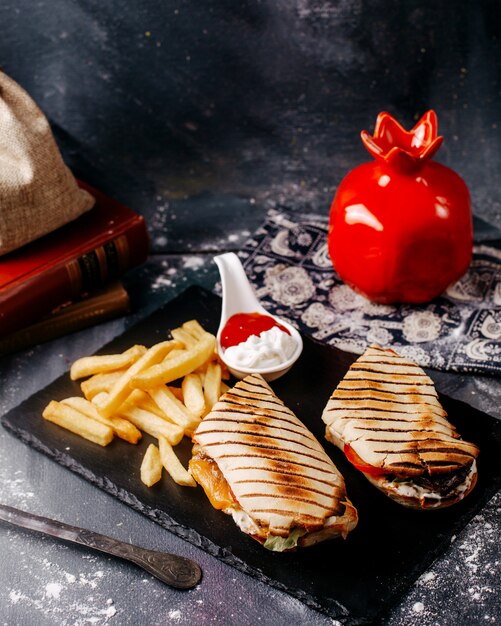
point(380, 382)
point(262, 424)
point(395, 363)
point(270, 436)
point(262, 411)
point(404, 465)
point(394, 430)
point(233, 398)
point(279, 449)
point(388, 376)
point(260, 397)
point(280, 496)
point(213, 417)
point(398, 420)
point(331, 409)
point(253, 381)
point(292, 475)
point(438, 463)
point(358, 398)
point(371, 440)
point(296, 486)
point(278, 460)
point(419, 451)
point(339, 395)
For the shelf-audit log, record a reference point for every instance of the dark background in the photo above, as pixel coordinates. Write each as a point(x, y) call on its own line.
point(199, 109)
point(200, 114)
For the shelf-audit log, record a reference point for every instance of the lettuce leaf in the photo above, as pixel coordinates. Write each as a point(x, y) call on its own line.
point(279, 544)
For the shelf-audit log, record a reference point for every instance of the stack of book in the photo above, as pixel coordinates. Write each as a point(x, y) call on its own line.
point(69, 279)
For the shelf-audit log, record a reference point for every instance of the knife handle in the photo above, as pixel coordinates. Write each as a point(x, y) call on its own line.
point(176, 571)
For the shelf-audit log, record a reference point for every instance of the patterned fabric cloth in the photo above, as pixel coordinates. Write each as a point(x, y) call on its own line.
point(289, 266)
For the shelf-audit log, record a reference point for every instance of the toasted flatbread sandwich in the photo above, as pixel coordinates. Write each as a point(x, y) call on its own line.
point(258, 463)
point(386, 416)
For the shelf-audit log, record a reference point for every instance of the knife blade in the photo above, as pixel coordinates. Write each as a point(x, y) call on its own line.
point(176, 571)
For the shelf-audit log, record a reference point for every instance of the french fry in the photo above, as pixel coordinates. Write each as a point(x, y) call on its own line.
point(224, 388)
point(121, 427)
point(193, 394)
point(194, 328)
point(173, 465)
point(173, 409)
point(177, 366)
point(153, 424)
point(99, 383)
point(147, 404)
point(89, 365)
point(121, 389)
point(180, 334)
point(128, 393)
point(177, 391)
point(141, 399)
point(212, 384)
point(71, 419)
point(151, 466)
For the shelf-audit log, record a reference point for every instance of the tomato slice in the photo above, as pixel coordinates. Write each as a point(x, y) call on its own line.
point(360, 464)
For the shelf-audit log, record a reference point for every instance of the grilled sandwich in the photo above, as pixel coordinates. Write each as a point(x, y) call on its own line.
point(386, 416)
point(258, 463)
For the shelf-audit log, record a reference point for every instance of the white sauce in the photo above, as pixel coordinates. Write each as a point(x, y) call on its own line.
point(243, 521)
point(271, 348)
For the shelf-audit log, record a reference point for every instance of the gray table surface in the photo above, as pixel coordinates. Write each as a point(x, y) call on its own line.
point(200, 115)
point(43, 582)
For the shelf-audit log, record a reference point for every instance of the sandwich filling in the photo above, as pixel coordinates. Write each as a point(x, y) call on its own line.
point(258, 463)
point(208, 475)
point(431, 492)
point(386, 416)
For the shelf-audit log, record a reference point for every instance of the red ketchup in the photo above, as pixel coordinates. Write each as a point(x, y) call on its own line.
point(241, 326)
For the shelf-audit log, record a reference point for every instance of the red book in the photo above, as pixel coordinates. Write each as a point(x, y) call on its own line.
point(100, 306)
point(73, 260)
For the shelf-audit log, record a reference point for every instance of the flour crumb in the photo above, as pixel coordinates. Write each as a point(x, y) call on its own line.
point(111, 610)
point(175, 614)
point(428, 577)
point(418, 607)
point(15, 596)
point(160, 282)
point(193, 262)
point(53, 590)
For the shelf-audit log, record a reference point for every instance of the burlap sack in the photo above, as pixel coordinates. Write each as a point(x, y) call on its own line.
point(37, 191)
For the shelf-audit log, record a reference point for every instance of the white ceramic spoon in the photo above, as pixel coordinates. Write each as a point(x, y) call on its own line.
point(239, 297)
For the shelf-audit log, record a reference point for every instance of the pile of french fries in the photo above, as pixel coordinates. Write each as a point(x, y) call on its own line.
point(164, 391)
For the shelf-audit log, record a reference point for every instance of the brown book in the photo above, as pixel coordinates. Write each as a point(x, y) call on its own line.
point(76, 259)
point(100, 306)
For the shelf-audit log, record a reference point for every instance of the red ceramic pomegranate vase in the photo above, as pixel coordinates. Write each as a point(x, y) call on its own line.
point(400, 226)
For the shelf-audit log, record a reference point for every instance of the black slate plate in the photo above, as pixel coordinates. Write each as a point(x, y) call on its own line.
point(354, 581)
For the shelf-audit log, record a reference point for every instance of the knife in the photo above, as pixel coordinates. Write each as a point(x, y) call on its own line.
point(176, 571)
